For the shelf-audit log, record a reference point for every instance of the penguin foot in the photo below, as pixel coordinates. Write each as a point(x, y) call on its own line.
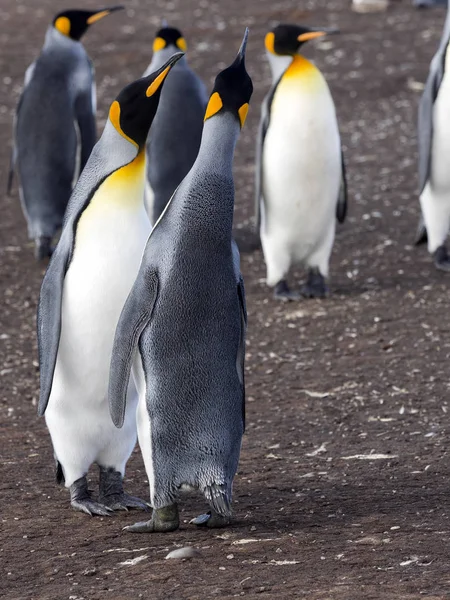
point(111, 492)
point(43, 248)
point(212, 520)
point(80, 499)
point(163, 520)
point(315, 286)
point(441, 259)
point(282, 292)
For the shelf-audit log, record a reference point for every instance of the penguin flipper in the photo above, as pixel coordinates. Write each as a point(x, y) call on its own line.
point(341, 208)
point(49, 317)
point(262, 131)
point(135, 316)
point(421, 233)
point(240, 359)
point(85, 108)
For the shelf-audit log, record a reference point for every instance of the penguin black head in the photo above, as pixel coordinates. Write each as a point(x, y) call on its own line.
point(74, 23)
point(134, 109)
point(233, 89)
point(285, 40)
point(169, 36)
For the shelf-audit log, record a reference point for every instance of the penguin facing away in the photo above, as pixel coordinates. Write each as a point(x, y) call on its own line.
point(183, 326)
point(54, 125)
point(88, 279)
point(175, 136)
point(434, 155)
point(300, 174)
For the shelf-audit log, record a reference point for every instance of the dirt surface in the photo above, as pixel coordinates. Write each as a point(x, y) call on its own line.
point(364, 372)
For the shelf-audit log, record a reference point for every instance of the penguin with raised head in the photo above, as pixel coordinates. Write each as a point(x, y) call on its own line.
point(175, 136)
point(183, 327)
point(54, 126)
point(90, 275)
point(300, 175)
point(434, 155)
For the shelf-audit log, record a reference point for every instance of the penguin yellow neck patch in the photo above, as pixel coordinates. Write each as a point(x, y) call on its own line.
point(300, 67)
point(269, 42)
point(114, 117)
point(97, 16)
point(62, 24)
point(156, 83)
point(159, 44)
point(243, 113)
point(214, 105)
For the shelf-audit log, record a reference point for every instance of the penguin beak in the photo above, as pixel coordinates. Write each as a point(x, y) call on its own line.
point(103, 13)
point(242, 49)
point(158, 77)
point(316, 33)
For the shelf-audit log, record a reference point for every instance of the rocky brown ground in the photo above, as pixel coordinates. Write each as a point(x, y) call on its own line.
point(342, 490)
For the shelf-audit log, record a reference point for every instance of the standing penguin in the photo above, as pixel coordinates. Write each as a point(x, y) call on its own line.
point(434, 155)
point(90, 274)
point(183, 327)
point(54, 125)
point(176, 133)
point(300, 174)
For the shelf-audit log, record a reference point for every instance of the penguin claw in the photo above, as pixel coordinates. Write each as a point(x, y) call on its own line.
point(211, 519)
point(282, 292)
point(124, 502)
point(91, 508)
point(163, 520)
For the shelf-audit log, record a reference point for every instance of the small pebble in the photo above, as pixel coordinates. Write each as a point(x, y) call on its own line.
point(186, 552)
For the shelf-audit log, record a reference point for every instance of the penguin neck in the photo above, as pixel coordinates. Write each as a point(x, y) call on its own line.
point(162, 56)
point(197, 201)
point(54, 38)
point(220, 134)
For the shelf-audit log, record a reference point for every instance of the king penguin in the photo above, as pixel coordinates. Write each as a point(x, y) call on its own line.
point(183, 327)
point(175, 136)
point(434, 154)
point(88, 279)
point(54, 125)
point(300, 175)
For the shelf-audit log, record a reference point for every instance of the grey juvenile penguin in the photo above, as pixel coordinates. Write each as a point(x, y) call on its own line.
point(183, 327)
point(54, 125)
point(434, 155)
point(90, 275)
point(175, 136)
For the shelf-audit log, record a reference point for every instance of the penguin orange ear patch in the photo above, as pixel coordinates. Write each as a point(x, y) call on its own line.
point(114, 117)
point(157, 82)
point(62, 24)
point(181, 44)
point(214, 105)
point(243, 113)
point(159, 44)
point(269, 42)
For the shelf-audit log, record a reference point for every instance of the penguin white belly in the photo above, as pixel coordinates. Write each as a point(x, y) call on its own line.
point(110, 239)
point(435, 198)
point(301, 176)
point(143, 423)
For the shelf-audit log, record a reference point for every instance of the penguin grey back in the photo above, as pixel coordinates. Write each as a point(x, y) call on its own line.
point(425, 121)
point(175, 137)
point(58, 95)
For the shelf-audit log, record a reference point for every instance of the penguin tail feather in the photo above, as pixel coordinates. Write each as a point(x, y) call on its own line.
point(59, 473)
point(219, 498)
